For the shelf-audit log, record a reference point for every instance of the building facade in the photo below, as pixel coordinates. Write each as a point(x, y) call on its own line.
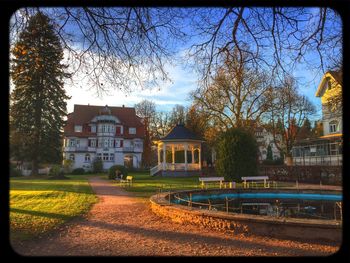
point(112, 134)
point(264, 140)
point(326, 149)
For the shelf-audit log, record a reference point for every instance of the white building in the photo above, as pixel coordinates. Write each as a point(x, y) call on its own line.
point(264, 139)
point(112, 134)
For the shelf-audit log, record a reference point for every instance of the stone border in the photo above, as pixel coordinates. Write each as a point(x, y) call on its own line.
point(293, 228)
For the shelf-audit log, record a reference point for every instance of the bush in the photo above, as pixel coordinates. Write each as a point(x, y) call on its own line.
point(117, 168)
point(67, 165)
point(56, 171)
point(278, 161)
point(97, 166)
point(14, 172)
point(78, 171)
point(236, 155)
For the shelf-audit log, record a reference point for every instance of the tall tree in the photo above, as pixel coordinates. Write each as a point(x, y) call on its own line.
point(287, 114)
point(178, 115)
point(237, 95)
point(38, 101)
point(305, 130)
point(147, 111)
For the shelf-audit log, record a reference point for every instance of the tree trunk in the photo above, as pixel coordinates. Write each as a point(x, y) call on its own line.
point(289, 160)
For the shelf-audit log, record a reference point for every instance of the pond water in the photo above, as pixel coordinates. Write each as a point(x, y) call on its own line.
point(325, 206)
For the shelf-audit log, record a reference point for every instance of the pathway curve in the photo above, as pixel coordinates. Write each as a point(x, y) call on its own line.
point(123, 225)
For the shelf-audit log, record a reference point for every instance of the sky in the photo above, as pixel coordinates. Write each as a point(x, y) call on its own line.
point(167, 95)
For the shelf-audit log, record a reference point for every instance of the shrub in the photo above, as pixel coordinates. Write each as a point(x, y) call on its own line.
point(117, 168)
point(67, 165)
point(14, 172)
point(56, 171)
point(236, 155)
point(78, 171)
point(97, 166)
point(278, 161)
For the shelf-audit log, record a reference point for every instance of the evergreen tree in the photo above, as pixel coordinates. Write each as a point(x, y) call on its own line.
point(38, 101)
point(237, 151)
point(305, 130)
point(269, 153)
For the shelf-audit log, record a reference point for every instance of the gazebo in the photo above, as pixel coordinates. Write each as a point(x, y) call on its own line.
point(179, 153)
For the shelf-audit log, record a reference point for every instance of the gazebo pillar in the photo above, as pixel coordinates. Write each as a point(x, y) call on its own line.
point(164, 156)
point(192, 151)
point(186, 147)
point(173, 155)
point(158, 148)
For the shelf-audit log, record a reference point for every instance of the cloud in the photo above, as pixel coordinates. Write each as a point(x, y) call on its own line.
point(165, 96)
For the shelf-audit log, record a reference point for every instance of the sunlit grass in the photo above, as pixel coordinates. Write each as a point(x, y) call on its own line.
point(39, 205)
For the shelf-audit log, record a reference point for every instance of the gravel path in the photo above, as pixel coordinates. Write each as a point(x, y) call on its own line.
point(123, 225)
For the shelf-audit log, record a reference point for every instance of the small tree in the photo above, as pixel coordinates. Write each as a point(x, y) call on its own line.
point(269, 153)
point(236, 154)
point(67, 165)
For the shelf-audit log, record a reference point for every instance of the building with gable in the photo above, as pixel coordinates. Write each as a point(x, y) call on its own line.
point(326, 149)
point(112, 134)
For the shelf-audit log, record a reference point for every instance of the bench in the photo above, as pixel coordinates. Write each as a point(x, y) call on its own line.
point(127, 181)
point(203, 180)
point(254, 179)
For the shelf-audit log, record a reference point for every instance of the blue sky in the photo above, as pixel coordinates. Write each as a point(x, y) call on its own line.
point(184, 80)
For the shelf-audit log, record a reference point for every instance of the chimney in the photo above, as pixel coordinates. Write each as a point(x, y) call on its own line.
point(123, 106)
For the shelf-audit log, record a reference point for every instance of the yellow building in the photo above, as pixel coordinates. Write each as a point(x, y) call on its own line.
point(329, 89)
point(326, 149)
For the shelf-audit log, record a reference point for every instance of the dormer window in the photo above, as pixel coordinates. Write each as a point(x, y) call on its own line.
point(333, 126)
point(132, 130)
point(78, 128)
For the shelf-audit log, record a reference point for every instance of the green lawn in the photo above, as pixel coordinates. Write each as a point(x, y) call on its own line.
point(38, 205)
point(144, 185)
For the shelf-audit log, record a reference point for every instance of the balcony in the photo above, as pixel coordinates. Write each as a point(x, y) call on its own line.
point(76, 148)
point(128, 149)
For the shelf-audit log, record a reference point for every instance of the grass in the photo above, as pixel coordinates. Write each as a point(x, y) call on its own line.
point(145, 186)
point(38, 205)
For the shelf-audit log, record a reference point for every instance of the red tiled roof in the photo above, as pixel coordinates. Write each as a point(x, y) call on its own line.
point(83, 114)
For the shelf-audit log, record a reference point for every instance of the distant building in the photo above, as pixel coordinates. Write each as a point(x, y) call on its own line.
point(112, 134)
point(264, 139)
point(326, 149)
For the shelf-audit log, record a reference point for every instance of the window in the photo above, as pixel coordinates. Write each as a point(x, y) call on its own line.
point(105, 143)
point(93, 143)
point(111, 157)
point(93, 128)
point(111, 141)
point(71, 142)
point(87, 157)
point(71, 157)
point(132, 130)
point(78, 128)
point(105, 156)
point(98, 156)
point(333, 126)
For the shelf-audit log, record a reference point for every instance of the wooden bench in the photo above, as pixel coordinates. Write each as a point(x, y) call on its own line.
point(203, 180)
point(127, 181)
point(254, 179)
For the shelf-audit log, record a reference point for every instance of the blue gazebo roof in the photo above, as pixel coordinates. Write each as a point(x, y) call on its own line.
point(180, 132)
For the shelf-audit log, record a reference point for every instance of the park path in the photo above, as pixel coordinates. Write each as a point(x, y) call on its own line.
point(123, 225)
